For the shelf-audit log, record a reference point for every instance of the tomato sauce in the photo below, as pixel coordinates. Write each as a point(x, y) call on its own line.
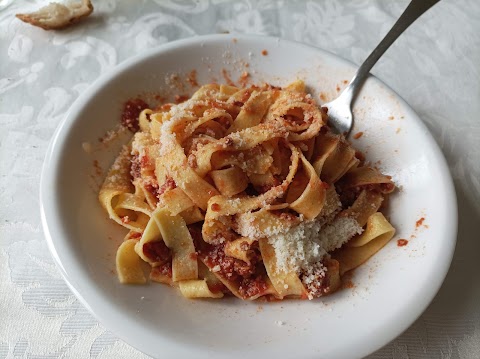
point(157, 251)
point(168, 185)
point(250, 287)
point(135, 235)
point(249, 278)
point(237, 271)
point(419, 222)
point(152, 188)
point(136, 167)
point(130, 113)
point(164, 269)
point(402, 242)
point(218, 287)
point(215, 207)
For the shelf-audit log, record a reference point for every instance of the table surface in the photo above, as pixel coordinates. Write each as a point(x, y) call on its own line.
point(434, 66)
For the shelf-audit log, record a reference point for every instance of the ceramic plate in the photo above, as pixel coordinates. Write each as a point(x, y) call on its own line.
point(387, 294)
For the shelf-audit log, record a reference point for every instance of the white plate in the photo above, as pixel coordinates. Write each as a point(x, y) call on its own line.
point(390, 291)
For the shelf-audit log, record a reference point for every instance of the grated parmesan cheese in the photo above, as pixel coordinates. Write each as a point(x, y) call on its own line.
point(312, 279)
point(239, 140)
point(339, 231)
point(308, 242)
point(247, 227)
point(87, 147)
point(297, 248)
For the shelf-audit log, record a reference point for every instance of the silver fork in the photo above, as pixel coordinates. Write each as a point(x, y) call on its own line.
point(340, 110)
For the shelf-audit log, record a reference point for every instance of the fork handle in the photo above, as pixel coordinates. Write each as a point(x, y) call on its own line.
point(413, 11)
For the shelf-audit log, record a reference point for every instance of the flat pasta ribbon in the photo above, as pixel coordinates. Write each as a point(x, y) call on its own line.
point(244, 192)
point(377, 234)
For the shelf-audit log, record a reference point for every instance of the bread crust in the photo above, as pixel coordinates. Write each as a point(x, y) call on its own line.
point(57, 16)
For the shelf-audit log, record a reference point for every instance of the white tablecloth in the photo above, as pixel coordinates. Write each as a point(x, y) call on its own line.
point(435, 66)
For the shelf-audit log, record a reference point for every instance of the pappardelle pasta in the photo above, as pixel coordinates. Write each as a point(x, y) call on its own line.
point(244, 191)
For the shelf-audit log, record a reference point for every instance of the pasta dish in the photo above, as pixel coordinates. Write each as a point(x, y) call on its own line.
point(244, 192)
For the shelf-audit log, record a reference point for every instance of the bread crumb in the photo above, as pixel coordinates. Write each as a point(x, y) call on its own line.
point(56, 16)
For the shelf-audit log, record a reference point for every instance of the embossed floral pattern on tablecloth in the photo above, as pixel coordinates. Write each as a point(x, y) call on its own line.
point(434, 66)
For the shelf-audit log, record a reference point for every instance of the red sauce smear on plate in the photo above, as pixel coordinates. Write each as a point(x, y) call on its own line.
point(419, 222)
point(402, 242)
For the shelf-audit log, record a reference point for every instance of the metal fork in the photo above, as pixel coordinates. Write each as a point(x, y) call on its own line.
point(340, 110)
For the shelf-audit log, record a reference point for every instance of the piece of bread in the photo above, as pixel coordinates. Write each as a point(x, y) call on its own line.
point(57, 16)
